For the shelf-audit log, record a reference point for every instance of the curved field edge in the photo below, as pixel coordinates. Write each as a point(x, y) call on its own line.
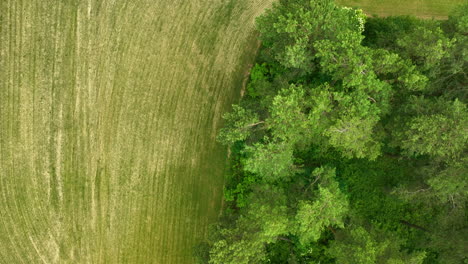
point(108, 114)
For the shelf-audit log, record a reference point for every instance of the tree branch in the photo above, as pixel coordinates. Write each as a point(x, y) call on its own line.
point(284, 239)
point(310, 185)
point(413, 226)
point(254, 124)
point(340, 130)
point(332, 229)
point(251, 125)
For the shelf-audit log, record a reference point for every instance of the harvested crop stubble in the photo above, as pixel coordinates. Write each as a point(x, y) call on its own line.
point(108, 114)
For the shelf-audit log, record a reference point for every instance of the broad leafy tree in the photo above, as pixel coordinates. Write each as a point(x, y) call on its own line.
point(240, 122)
point(264, 220)
point(359, 245)
point(326, 211)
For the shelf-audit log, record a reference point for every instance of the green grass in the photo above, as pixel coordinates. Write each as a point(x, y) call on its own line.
point(108, 114)
point(438, 9)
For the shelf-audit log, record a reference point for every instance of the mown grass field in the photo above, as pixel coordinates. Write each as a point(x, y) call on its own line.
point(108, 116)
point(438, 9)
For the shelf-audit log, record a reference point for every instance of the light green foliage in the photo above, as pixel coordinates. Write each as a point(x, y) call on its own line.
point(239, 123)
point(322, 102)
point(435, 135)
point(353, 65)
point(258, 72)
point(427, 9)
point(333, 40)
point(267, 207)
point(290, 26)
point(353, 129)
point(288, 122)
point(450, 185)
point(365, 97)
point(348, 126)
point(401, 73)
point(425, 45)
point(439, 134)
point(410, 78)
point(354, 117)
point(385, 107)
point(248, 250)
point(438, 49)
point(271, 161)
point(238, 194)
point(342, 58)
point(353, 137)
point(451, 78)
point(258, 78)
point(359, 245)
point(287, 28)
point(264, 220)
point(328, 208)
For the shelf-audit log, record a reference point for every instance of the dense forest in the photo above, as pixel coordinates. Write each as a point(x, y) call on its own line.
point(350, 143)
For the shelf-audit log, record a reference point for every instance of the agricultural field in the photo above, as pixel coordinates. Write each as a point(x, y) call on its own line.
point(422, 8)
point(108, 116)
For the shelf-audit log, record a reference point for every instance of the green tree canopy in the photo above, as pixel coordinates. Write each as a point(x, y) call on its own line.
point(349, 117)
point(263, 221)
point(327, 210)
point(359, 245)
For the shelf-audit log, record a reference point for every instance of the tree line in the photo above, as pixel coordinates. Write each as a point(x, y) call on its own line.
point(350, 143)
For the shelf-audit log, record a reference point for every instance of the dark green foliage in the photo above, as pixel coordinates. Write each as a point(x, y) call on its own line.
point(201, 253)
point(239, 182)
point(350, 145)
point(384, 32)
point(451, 78)
point(448, 236)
